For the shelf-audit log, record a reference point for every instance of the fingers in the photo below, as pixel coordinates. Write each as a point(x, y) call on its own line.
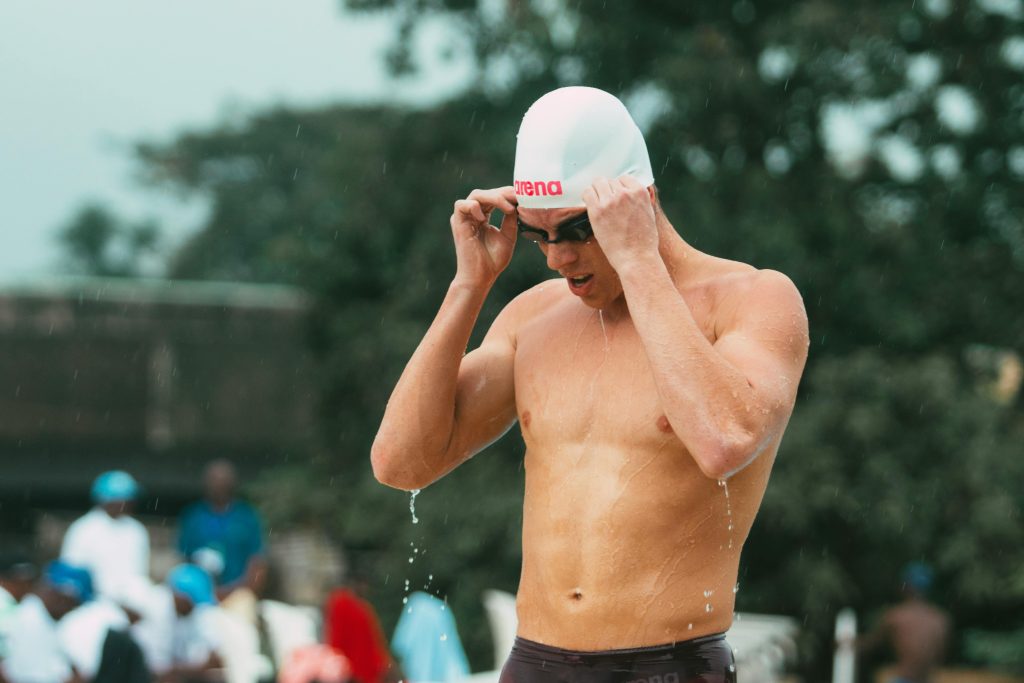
point(630, 184)
point(469, 209)
point(509, 228)
point(501, 198)
point(604, 191)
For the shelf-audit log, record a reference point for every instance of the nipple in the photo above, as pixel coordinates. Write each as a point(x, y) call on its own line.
point(663, 425)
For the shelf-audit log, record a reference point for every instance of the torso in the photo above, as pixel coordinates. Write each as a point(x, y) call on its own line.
point(626, 543)
point(919, 634)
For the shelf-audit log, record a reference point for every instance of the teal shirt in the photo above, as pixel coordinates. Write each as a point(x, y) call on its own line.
point(236, 533)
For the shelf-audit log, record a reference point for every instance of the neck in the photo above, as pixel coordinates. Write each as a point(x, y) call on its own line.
point(680, 258)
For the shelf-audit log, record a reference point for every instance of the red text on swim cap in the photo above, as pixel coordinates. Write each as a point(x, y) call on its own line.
point(532, 188)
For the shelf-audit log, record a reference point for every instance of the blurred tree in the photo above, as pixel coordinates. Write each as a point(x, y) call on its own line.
point(96, 242)
point(872, 151)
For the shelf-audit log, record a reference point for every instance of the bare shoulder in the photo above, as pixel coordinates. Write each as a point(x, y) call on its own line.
point(536, 300)
point(743, 294)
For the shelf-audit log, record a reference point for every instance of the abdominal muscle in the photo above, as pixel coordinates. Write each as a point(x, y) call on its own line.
point(630, 549)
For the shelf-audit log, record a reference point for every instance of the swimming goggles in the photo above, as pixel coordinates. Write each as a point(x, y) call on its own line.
point(575, 229)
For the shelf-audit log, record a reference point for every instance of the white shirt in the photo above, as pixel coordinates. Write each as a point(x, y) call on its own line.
point(167, 639)
point(35, 654)
point(83, 631)
point(114, 550)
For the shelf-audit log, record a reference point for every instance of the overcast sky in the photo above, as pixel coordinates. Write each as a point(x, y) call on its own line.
point(81, 81)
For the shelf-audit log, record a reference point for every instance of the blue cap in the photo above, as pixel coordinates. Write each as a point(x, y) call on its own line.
point(70, 580)
point(192, 582)
point(114, 486)
point(918, 576)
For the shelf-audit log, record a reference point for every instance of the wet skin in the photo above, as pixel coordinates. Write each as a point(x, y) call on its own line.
point(629, 539)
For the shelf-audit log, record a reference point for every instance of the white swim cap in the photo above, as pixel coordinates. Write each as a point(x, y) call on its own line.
point(569, 138)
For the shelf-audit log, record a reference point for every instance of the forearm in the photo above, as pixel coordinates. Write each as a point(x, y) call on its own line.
point(706, 400)
point(411, 444)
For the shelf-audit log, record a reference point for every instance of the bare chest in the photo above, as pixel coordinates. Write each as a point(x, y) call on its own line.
point(585, 378)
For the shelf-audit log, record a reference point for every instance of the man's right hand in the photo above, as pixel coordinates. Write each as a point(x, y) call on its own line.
point(483, 251)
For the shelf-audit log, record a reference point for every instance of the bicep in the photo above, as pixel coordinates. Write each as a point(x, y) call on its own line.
point(485, 393)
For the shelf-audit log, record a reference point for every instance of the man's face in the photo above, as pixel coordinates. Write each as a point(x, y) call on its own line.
point(17, 586)
point(587, 271)
point(219, 483)
point(116, 508)
point(57, 603)
point(183, 605)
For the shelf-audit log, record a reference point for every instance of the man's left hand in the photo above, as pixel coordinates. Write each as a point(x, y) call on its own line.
point(622, 215)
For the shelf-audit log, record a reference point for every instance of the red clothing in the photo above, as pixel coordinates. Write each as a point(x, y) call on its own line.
point(351, 627)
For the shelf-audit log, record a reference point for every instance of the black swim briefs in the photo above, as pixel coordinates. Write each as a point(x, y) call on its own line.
point(701, 660)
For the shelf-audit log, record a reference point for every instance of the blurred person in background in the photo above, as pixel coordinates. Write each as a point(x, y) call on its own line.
point(17, 575)
point(352, 628)
point(178, 631)
point(916, 630)
point(96, 640)
point(224, 535)
point(427, 641)
point(108, 540)
point(35, 653)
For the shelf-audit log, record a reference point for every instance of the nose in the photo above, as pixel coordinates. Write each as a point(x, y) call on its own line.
point(560, 254)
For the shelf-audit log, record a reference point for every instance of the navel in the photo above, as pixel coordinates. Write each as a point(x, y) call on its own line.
point(576, 594)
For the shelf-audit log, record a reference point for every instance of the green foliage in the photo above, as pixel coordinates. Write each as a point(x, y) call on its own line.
point(892, 453)
point(97, 242)
point(889, 461)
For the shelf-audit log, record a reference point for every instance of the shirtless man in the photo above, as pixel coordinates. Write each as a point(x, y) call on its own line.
point(916, 630)
point(652, 384)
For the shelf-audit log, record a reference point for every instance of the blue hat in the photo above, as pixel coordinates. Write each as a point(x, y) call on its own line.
point(192, 582)
point(70, 580)
point(114, 486)
point(918, 576)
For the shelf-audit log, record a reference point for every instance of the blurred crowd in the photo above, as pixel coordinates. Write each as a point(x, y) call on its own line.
point(95, 614)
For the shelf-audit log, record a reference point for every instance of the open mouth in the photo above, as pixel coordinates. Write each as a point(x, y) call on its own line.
point(580, 280)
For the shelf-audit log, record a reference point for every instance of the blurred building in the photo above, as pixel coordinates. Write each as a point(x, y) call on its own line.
point(155, 377)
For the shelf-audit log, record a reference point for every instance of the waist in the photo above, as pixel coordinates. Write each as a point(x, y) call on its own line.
point(706, 648)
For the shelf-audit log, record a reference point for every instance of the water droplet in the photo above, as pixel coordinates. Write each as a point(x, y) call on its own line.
point(412, 506)
point(444, 637)
point(708, 608)
point(736, 589)
point(690, 627)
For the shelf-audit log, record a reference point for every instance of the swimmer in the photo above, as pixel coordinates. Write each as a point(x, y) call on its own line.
point(651, 382)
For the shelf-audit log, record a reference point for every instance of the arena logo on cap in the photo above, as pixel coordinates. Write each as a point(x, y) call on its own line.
point(537, 188)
